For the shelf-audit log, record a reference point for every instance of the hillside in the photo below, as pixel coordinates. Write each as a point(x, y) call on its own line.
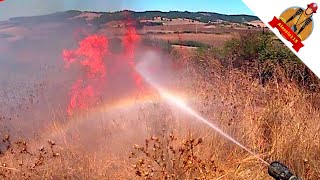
point(105, 17)
point(204, 17)
point(211, 28)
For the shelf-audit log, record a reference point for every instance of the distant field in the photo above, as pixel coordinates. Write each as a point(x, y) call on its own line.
point(211, 35)
point(210, 39)
point(200, 28)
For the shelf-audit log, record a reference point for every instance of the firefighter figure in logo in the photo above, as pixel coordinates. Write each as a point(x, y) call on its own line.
point(300, 20)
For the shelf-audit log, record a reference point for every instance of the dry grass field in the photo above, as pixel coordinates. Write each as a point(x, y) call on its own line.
point(215, 40)
point(254, 91)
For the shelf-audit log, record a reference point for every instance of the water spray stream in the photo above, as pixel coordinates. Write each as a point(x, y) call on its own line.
point(182, 105)
point(176, 101)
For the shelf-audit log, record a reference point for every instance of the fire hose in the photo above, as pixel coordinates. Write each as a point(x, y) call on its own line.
point(280, 172)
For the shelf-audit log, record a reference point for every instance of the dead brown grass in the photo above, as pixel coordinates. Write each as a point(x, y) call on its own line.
point(216, 40)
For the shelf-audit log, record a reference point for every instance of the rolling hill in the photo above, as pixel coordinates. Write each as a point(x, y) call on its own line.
point(98, 18)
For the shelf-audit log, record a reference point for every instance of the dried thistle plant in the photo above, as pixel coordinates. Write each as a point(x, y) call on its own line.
point(19, 161)
point(167, 157)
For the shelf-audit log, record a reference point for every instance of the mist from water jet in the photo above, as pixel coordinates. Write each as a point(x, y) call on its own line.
point(179, 103)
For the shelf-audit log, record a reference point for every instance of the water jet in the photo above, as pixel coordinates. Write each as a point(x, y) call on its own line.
point(275, 169)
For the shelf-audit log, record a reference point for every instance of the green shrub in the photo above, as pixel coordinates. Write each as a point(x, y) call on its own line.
point(256, 46)
point(267, 58)
point(190, 44)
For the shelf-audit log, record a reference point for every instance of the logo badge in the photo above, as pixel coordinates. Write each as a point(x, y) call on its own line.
point(295, 24)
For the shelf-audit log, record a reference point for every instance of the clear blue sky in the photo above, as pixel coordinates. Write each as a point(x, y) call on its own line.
point(14, 8)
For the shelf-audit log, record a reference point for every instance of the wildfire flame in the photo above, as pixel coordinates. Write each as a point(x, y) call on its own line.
point(92, 55)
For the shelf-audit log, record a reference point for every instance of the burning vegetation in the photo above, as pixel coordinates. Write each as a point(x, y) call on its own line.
point(91, 55)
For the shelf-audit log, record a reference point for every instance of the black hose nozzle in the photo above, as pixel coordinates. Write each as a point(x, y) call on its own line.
point(280, 172)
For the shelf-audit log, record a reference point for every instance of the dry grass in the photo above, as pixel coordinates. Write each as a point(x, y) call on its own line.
point(164, 158)
point(215, 40)
point(278, 121)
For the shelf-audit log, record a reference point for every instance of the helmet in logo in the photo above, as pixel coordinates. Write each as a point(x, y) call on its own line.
point(313, 6)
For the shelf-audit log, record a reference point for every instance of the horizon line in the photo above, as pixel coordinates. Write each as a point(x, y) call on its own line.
point(132, 11)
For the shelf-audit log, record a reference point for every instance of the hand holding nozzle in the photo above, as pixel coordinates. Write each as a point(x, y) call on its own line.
point(280, 172)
